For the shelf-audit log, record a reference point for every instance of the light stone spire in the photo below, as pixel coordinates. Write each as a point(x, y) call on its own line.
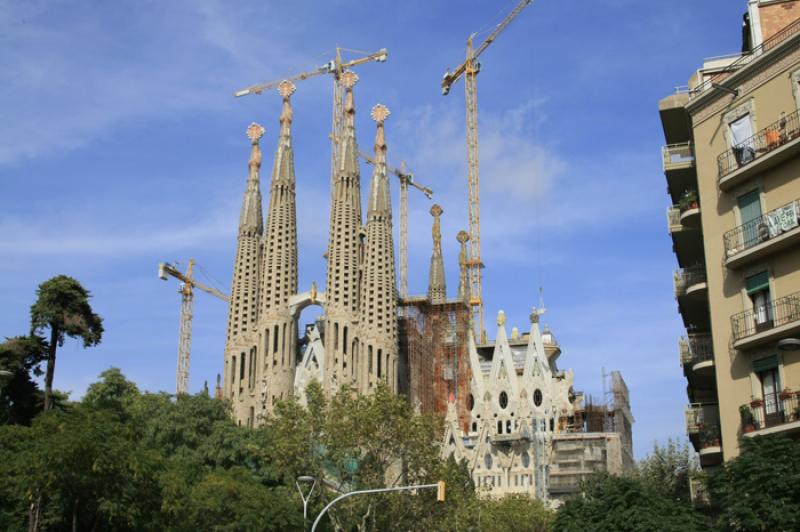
point(463, 279)
point(437, 288)
point(344, 256)
point(277, 334)
point(378, 321)
point(243, 308)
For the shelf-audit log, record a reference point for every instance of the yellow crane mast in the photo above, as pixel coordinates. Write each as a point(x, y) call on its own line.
point(185, 336)
point(406, 180)
point(336, 67)
point(469, 70)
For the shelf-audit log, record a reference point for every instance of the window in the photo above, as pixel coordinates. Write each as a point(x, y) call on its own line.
point(526, 459)
point(487, 460)
point(471, 402)
point(767, 371)
point(758, 290)
point(503, 400)
point(537, 397)
point(749, 217)
point(742, 139)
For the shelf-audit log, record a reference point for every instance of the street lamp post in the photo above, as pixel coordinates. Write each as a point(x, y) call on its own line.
point(305, 479)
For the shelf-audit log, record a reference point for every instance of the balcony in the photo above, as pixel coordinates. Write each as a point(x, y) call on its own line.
point(690, 282)
point(674, 118)
point(702, 425)
point(775, 412)
point(697, 354)
point(769, 147)
point(679, 167)
point(766, 324)
point(771, 232)
point(687, 239)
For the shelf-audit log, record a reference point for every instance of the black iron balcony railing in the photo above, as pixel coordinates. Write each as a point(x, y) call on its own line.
point(686, 277)
point(773, 42)
point(765, 141)
point(764, 317)
point(697, 348)
point(772, 410)
point(763, 228)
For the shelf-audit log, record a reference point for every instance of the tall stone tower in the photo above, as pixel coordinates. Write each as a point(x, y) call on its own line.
point(276, 327)
point(344, 256)
point(437, 289)
point(463, 279)
point(240, 344)
point(378, 320)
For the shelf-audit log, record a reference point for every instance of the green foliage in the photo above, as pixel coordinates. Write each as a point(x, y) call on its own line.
point(20, 399)
point(760, 489)
point(515, 512)
point(670, 468)
point(621, 504)
point(122, 460)
point(62, 306)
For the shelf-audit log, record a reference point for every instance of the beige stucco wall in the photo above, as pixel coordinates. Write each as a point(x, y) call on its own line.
point(770, 95)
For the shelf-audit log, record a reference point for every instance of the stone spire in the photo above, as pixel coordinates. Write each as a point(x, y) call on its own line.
point(244, 305)
point(277, 334)
point(437, 289)
point(463, 279)
point(344, 255)
point(378, 317)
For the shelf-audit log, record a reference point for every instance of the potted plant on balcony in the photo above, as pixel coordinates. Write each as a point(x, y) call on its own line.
point(786, 394)
point(688, 201)
point(757, 402)
point(709, 436)
point(748, 420)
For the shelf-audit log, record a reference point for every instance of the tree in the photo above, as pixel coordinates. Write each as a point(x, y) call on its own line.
point(21, 355)
point(670, 467)
point(62, 305)
point(759, 489)
point(626, 504)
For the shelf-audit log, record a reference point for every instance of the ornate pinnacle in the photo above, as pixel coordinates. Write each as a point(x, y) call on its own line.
point(349, 79)
point(286, 88)
point(380, 113)
point(463, 284)
point(254, 133)
point(501, 318)
point(436, 212)
point(534, 315)
point(462, 237)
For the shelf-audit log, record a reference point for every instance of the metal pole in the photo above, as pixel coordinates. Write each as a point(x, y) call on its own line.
point(359, 492)
point(305, 498)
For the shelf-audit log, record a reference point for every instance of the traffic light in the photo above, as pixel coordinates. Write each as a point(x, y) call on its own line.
point(440, 491)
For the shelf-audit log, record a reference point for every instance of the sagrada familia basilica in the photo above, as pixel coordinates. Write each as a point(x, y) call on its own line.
point(509, 411)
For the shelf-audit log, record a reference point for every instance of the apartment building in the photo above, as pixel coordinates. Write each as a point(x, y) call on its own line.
point(732, 164)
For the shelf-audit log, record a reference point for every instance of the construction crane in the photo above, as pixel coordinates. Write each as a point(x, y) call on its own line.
point(406, 180)
point(469, 70)
point(185, 337)
point(336, 67)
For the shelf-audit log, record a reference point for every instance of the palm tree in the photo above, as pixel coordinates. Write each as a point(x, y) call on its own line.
point(62, 305)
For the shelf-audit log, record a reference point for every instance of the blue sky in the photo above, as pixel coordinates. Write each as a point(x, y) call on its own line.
point(121, 146)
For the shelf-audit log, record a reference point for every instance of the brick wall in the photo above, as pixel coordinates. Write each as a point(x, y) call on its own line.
point(775, 16)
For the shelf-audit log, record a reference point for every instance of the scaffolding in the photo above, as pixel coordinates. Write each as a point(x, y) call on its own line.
point(434, 351)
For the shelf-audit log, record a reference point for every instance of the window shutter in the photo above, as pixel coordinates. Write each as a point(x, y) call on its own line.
point(757, 282)
point(764, 364)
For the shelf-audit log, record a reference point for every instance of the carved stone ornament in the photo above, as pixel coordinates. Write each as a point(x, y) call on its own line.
point(286, 88)
point(255, 132)
point(349, 79)
point(380, 113)
point(501, 318)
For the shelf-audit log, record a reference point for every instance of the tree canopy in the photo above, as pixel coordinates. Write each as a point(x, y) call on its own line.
point(62, 306)
point(759, 489)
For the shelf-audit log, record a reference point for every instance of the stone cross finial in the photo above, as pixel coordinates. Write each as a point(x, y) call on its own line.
point(534, 315)
point(255, 132)
point(501, 318)
point(286, 88)
point(349, 79)
point(380, 113)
